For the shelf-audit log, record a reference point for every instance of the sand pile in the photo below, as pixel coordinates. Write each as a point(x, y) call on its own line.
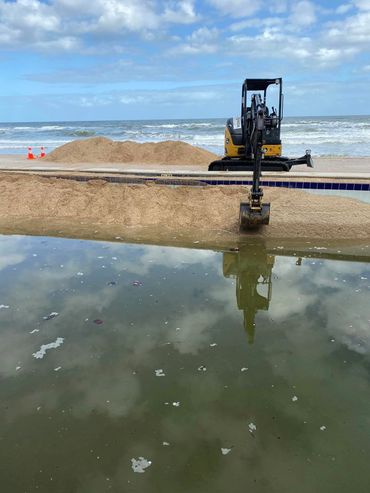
point(42, 202)
point(103, 150)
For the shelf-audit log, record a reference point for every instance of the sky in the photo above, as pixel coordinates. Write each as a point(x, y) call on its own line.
point(152, 59)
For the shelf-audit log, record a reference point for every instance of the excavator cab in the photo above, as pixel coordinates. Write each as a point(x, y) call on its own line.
point(265, 94)
point(256, 93)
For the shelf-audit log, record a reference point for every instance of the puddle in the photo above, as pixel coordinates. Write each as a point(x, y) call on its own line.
point(196, 369)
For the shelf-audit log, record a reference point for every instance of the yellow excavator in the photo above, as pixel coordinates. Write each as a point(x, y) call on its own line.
point(253, 143)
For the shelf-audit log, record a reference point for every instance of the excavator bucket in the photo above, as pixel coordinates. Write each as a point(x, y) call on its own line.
point(251, 218)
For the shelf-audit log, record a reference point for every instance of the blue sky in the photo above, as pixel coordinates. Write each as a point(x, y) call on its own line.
point(135, 59)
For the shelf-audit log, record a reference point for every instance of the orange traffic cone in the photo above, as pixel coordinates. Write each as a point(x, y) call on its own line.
point(42, 152)
point(30, 154)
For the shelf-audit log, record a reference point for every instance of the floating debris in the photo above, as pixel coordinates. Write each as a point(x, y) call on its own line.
point(139, 465)
point(244, 369)
point(50, 316)
point(58, 368)
point(17, 368)
point(176, 404)
point(323, 428)
point(34, 330)
point(202, 368)
point(166, 444)
point(4, 306)
point(98, 321)
point(214, 344)
point(225, 451)
point(137, 283)
point(159, 373)
point(80, 273)
point(252, 427)
point(45, 347)
point(294, 398)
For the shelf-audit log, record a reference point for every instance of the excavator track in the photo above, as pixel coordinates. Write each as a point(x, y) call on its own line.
point(271, 164)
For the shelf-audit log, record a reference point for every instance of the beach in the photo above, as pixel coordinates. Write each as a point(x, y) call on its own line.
point(323, 164)
point(98, 186)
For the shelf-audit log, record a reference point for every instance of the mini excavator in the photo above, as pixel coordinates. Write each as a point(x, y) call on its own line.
point(252, 143)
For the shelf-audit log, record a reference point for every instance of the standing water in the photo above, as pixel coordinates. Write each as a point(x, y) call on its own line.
point(133, 368)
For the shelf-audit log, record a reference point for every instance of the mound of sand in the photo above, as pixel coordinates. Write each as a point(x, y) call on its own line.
point(103, 150)
point(43, 202)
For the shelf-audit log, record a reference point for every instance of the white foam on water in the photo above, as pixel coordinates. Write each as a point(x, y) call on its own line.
point(45, 347)
point(225, 451)
point(252, 427)
point(139, 465)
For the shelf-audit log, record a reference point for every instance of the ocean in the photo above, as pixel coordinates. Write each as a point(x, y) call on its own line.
point(325, 136)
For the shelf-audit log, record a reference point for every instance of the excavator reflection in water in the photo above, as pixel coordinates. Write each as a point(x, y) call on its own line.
point(251, 267)
point(252, 264)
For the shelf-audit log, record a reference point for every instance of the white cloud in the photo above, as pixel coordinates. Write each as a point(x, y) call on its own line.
point(64, 23)
point(180, 12)
point(132, 99)
point(344, 8)
point(353, 30)
point(278, 6)
point(303, 14)
point(25, 21)
point(236, 8)
point(274, 44)
point(203, 40)
point(362, 4)
point(251, 23)
point(329, 56)
point(92, 101)
point(133, 15)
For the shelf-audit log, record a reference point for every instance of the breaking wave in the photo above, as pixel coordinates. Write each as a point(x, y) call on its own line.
point(324, 136)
